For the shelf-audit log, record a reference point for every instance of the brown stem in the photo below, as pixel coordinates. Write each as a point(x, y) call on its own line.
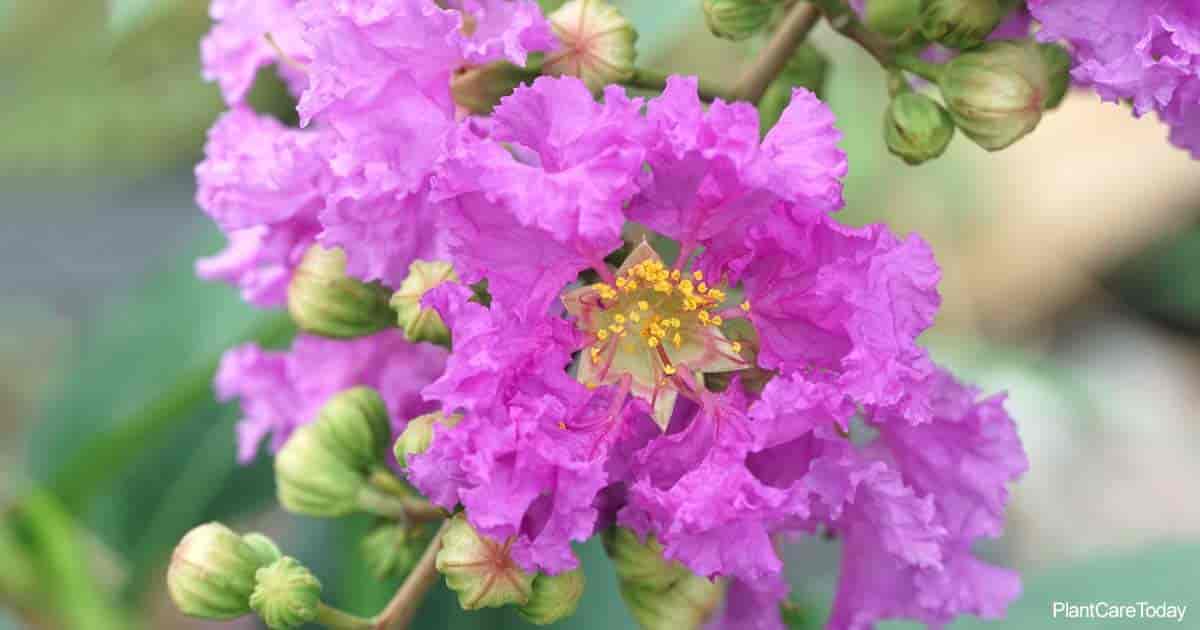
point(843, 19)
point(404, 604)
point(795, 26)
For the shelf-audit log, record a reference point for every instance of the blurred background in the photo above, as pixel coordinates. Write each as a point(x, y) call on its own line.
point(1072, 280)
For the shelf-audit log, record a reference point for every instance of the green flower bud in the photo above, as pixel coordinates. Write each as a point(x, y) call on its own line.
point(354, 425)
point(892, 17)
point(324, 301)
point(995, 92)
point(598, 43)
point(960, 23)
point(211, 575)
point(1058, 68)
point(738, 19)
point(264, 547)
point(641, 563)
point(311, 480)
point(418, 435)
point(554, 597)
point(481, 570)
point(286, 595)
point(687, 604)
point(422, 324)
point(478, 89)
point(392, 549)
point(916, 128)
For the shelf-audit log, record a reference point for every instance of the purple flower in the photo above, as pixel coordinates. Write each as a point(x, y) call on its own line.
point(248, 35)
point(1147, 52)
point(282, 390)
point(263, 184)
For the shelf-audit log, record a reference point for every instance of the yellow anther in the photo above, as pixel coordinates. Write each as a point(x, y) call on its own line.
point(685, 286)
point(602, 334)
point(644, 305)
point(674, 322)
point(717, 321)
point(746, 306)
point(669, 370)
point(619, 318)
point(677, 340)
point(616, 328)
point(595, 352)
point(634, 316)
point(689, 304)
point(703, 315)
point(716, 294)
point(652, 342)
point(662, 287)
point(698, 275)
point(631, 287)
point(590, 385)
point(622, 281)
point(737, 346)
point(562, 425)
point(703, 288)
point(675, 274)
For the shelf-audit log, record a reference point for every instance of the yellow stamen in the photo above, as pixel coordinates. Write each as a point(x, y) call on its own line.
point(698, 275)
point(644, 305)
point(675, 274)
point(652, 342)
point(746, 306)
point(677, 340)
point(669, 369)
point(703, 288)
point(562, 425)
point(737, 346)
point(717, 321)
point(602, 334)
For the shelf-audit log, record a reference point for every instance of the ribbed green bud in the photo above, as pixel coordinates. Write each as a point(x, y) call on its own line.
point(211, 575)
point(480, 570)
point(960, 23)
point(354, 425)
point(418, 434)
point(995, 93)
point(1058, 69)
point(265, 548)
point(892, 17)
point(916, 128)
point(286, 595)
point(422, 324)
point(478, 89)
point(738, 19)
point(554, 597)
point(392, 549)
point(322, 469)
point(598, 43)
point(324, 301)
point(641, 563)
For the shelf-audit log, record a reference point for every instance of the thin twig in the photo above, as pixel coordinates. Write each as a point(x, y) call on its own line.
point(657, 81)
point(795, 26)
point(404, 604)
point(843, 20)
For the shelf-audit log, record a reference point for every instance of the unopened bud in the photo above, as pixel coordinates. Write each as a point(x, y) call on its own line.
point(286, 595)
point(480, 570)
point(738, 19)
point(478, 89)
point(916, 128)
point(422, 324)
point(554, 597)
point(392, 549)
point(960, 23)
point(211, 575)
point(418, 435)
point(660, 594)
point(892, 17)
point(324, 301)
point(322, 469)
point(641, 563)
point(1058, 69)
point(995, 93)
point(598, 43)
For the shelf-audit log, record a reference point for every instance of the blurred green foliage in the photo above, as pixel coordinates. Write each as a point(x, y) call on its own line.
point(1163, 282)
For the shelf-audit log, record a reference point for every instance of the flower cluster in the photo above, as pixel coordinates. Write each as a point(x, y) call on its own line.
point(1145, 52)
point(743, 370)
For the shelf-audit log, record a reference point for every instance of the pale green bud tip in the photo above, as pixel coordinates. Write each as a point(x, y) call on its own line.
point(737, 19)
point(354, 425)
point(324, 301)
point(418, 435)
point(392, 550)
point(639, 562)
point(598, 43)
point(211, 575)
point(554, 597)
point(892, 17)
point(1058, 68)
point(481, 570)
point(422, 324)
point(995, 93)
point(960, 23)
point(916, 128)
point(286, 595)
point(688, 603)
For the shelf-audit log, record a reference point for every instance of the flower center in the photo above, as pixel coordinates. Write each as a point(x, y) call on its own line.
point(660, 326)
